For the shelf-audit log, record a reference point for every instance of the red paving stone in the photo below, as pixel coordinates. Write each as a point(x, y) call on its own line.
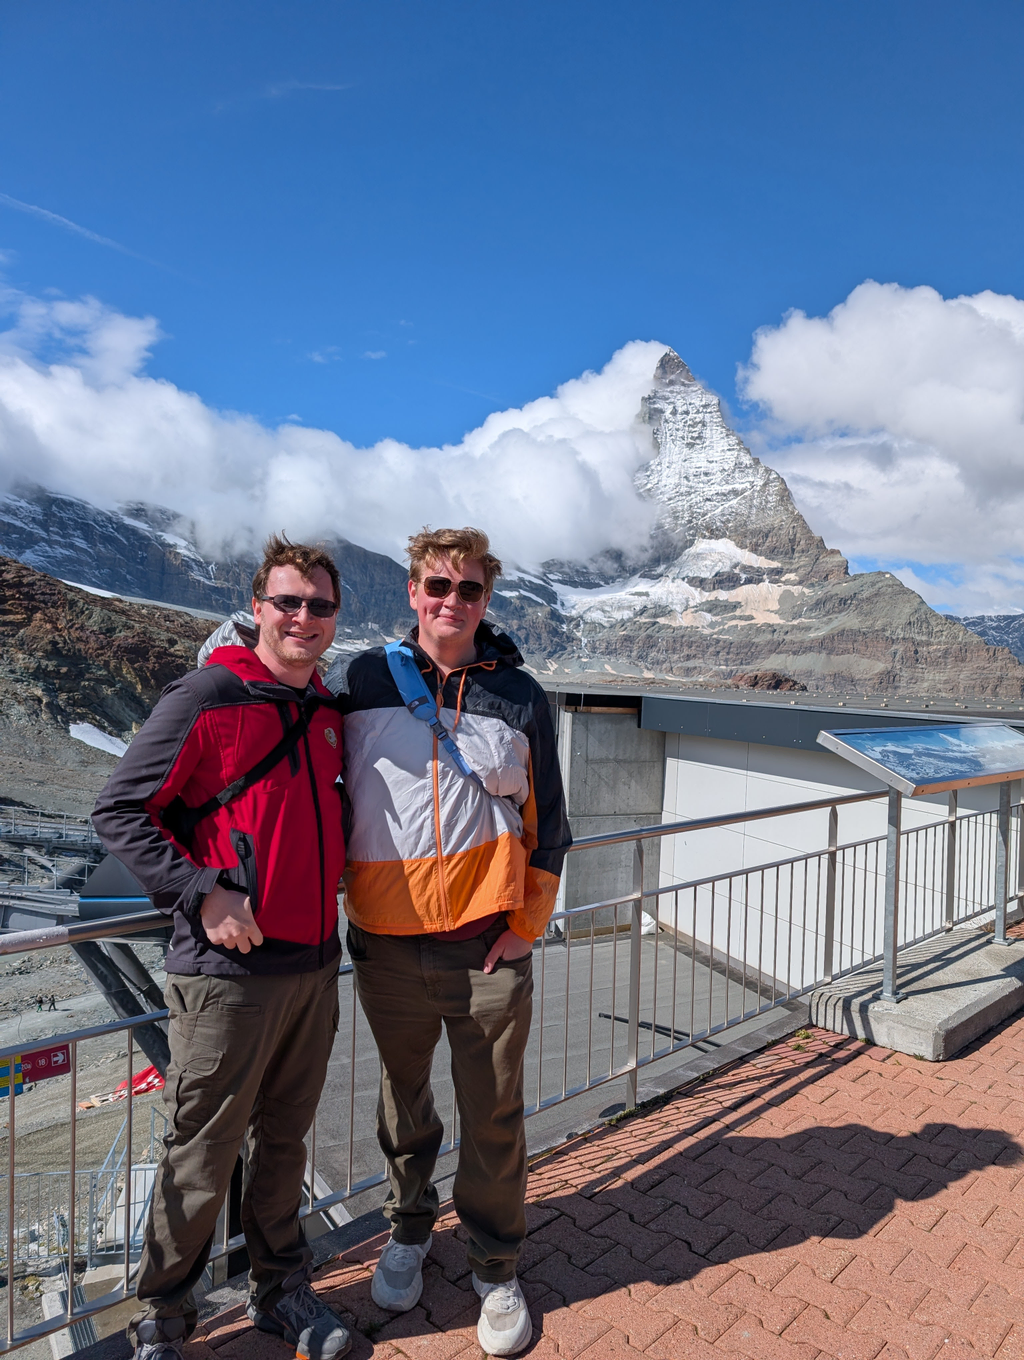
point(822, 1200)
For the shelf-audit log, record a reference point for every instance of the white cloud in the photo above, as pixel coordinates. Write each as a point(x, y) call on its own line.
point(898, 421)
point(79, 414)
point(375, 354)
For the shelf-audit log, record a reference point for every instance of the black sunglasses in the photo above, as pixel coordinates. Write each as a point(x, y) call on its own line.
point(291, 604)
point(440, 587)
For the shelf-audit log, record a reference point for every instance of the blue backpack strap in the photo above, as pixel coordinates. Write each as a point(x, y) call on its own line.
point(421, 703)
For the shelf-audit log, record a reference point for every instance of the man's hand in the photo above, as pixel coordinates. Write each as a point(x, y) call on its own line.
point(228, 920)
point(508, 945)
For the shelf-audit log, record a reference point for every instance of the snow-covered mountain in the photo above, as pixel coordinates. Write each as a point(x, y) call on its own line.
point(734, 578)
point(713, 490)
point(998, 630)
point(145, 553)
point(731, 579)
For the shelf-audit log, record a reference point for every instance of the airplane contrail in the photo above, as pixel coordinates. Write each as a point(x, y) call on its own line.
point(34, 210)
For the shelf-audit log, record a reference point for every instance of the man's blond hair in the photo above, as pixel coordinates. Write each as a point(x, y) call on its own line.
point(459, 546)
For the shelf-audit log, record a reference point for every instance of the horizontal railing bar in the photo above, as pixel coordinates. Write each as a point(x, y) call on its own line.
point(74, 1036)
point(14, 942)
point(724, 819)
point(731, 818)
point(57, 1324)
point(49, 937)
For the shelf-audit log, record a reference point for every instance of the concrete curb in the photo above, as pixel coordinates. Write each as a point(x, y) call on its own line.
point(955, 986)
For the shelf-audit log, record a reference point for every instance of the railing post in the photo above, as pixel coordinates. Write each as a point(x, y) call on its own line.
point(950, 910)
point(11, 1144)
point(830, 892)
point(892, 896)
point(91, 1247)
point(1002, 863)
point(633, 1014)
point(1019, 891)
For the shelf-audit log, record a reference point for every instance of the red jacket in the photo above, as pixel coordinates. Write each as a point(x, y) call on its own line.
point(281, 840)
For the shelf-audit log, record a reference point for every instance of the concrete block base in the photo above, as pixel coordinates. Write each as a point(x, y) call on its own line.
point(955, 987)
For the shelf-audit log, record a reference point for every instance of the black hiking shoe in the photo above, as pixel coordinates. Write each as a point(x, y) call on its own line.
point(303, 1320)
point(160, 1339)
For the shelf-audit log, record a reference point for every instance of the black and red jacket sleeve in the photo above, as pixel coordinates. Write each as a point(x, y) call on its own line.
point(546, 833)
point(153, 770)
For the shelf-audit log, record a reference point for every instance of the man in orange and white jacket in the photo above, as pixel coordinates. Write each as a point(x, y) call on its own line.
point(451, 877)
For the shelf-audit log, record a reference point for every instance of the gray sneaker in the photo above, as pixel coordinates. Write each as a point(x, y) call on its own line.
point(398, 1278)
point(160, 1338)
point(504, 1327)
point(304, 1321)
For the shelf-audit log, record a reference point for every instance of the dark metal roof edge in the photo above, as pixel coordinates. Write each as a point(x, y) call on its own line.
point(770, 722)
point(795, 726)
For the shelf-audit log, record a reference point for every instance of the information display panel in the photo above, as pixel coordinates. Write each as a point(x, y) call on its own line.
point(932, 759)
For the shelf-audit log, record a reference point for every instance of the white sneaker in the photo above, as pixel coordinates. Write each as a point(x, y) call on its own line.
point(505, 1327)
point(398, 1279)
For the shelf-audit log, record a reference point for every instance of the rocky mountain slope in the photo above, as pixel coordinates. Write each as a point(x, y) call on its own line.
point(69, 657)
point(732, 580)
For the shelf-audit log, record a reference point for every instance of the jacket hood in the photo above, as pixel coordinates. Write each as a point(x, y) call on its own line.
point(244, 663)
point(491, 646)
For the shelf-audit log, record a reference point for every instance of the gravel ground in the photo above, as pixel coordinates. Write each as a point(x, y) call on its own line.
point(43, 1112)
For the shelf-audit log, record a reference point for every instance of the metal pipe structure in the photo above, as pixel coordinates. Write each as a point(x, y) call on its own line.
point(112, 983)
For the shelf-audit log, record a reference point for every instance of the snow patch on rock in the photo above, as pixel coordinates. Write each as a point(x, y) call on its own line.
point(101, 741)
point(713, 556)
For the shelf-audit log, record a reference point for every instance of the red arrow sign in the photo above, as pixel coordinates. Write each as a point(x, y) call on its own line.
point(42, 1063)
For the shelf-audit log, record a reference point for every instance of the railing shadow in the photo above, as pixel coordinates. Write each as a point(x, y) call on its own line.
point(665, 1214)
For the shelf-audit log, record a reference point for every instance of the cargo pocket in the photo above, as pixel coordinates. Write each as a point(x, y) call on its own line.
point(215, 1066)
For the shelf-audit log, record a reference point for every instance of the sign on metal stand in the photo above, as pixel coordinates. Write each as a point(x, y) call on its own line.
point(913, 761)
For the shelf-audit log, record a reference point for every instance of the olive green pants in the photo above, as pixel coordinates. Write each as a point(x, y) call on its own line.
point(408, 986)
point(248, 1061)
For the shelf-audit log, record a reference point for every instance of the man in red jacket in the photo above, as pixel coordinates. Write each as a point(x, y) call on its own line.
point(226, 809)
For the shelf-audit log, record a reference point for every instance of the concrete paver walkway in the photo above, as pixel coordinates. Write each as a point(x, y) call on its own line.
point(824, 1198)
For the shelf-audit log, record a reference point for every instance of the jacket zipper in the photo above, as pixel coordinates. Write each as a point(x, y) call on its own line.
point(320, 840)
point(245, 851)
point(441, 889)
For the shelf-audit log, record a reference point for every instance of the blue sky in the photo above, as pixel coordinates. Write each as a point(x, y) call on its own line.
point(490, 198)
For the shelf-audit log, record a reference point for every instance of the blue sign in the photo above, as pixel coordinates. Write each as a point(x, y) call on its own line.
point(932, 758)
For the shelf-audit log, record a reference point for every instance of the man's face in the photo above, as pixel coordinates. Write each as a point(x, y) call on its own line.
point(448, 620)
point(298, 639)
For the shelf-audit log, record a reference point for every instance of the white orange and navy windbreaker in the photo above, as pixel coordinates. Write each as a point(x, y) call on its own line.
point(429, 850)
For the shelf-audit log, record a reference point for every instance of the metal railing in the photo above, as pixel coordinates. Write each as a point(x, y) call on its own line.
point(619, 985)
point(42, 1198)
point(47, 828)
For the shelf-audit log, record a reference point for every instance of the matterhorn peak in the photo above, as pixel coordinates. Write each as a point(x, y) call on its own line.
point(672, 371)
point(711, 487)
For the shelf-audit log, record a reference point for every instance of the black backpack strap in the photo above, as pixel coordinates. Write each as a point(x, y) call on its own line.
point(181, 820)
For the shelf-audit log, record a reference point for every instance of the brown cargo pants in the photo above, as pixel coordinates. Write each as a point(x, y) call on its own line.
point(248, 1061)
point(408, 986)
